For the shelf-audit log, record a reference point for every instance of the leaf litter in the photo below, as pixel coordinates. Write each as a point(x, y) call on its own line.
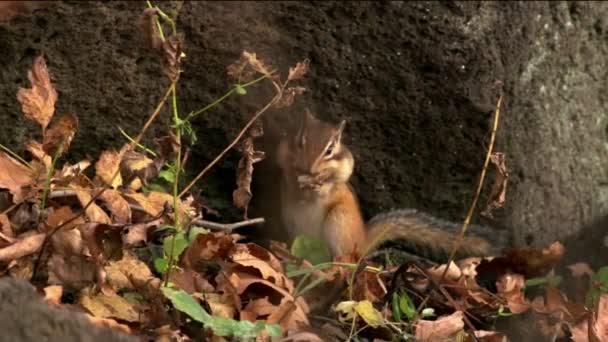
point(109, 239)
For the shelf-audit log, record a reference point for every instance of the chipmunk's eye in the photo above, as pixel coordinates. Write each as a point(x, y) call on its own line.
point(329, 151)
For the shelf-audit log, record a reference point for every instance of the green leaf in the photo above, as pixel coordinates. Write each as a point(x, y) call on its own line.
point(427, 312)
point(240, 89)
point(221, 326)
point(180, 245)
point(194, 231)
point(599, 286)
point(161, 265)
point(311, 249)
point(407, 306)
point(186, 304)
point(168, 175)
point(395, 308)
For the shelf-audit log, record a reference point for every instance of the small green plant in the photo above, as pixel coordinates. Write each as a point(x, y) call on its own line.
point(220, 326)
point(181, 243)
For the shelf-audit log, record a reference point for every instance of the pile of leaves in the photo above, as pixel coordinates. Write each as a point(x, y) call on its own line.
point(98, 235)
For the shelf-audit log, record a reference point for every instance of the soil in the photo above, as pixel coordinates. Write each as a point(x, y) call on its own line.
point(413, 79)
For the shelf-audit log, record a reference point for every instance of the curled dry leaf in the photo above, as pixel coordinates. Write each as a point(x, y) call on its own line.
point(35, 148)
point(136, 234)
point(256, 64)
point(107, 166)
point(14, 176)
point(239, 71)
point(441, 329)
point(153, 203)
point(289, 96)
point(93, 212)
point(242, 257)
point(527, 262)
point(208, 247)
point(25, 244)
point(59, 136)
point(149, 28)
point(490, 336)
point(38, 102)
point(598, 329)
point(137, 165)
point(172, 57)
point(109, 323)
point(498, 194)
point(118, 206)
point(73, 173)
point(511, 288)
point(242, 195)
point(299, 70)
point(128, 273)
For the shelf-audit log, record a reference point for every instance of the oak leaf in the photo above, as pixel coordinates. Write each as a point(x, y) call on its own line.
point(38, 102)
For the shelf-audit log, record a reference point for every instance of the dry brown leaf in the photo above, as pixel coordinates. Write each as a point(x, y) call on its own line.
point(256, 64)
point(598, 322)
point(60, 134)
point(137, 234)
point(35, 148)
point(242, 195)
point(102, 306)
point(153, 203)
point(289, 96)
point(118, 206)
point(25, 244)
point(440, 329)
point(257, 308)
point(127, 273)
point(299, 70)
point(149, 28)
point(490, 336)
point(107, 166)
point(498, 193)
point(14, 176)
point(71, 271)
point(244, 258)
point(218, 304)
point(172, 57)
point(239, 71)
point(137, 165)
point(285, 315)
point(5, 226)
point(38, 102)
point(511, 287)
point(52, 294)
point(190, 281)
point(109, 323)
point(67, 240)
point(93, 211)
point(208, 247)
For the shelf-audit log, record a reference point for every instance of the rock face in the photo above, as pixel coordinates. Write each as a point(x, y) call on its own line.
point(25, 317)
point(413, 79)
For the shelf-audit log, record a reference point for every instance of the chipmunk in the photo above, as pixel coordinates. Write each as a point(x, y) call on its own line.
point(317, 199)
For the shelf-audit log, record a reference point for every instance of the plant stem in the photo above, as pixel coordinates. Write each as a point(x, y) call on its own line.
point(47, 181)
point(223, 97)
point(15, 155)
point(136, 143)
point(178, 163)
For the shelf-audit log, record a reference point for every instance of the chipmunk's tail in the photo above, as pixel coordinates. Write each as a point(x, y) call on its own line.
point(425, 236)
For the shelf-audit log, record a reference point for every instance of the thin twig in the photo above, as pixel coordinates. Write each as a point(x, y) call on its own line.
point(233, 143)
point(467, 219)
point(227, 226)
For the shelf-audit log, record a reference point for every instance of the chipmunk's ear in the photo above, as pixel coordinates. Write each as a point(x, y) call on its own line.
point(338, 135)
point(305, 119)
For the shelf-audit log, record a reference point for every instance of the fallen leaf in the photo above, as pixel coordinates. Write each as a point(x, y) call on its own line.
point(441, 329)
point(171, 57)
point(52, 294)
point(93, 211)
point(107, 166)
point(14, 176)
point(127, 273)
point(38, 102)
point(190, 281)
point(256, 308)
point(498, 194)
point(102, 306)
point(67, 240)
point(35, 148)
point(242, 257)
point(490, 336)
point(117, 205)
point(109, 323)
point(71, 271)
point(511, 287)
point(59, 136)
point(153, 203)
point(218, 305)
point(208, 247)
point(25, 244)
point(137, 234)
point(598, 322)
point(528, 262)
point(137, 165)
